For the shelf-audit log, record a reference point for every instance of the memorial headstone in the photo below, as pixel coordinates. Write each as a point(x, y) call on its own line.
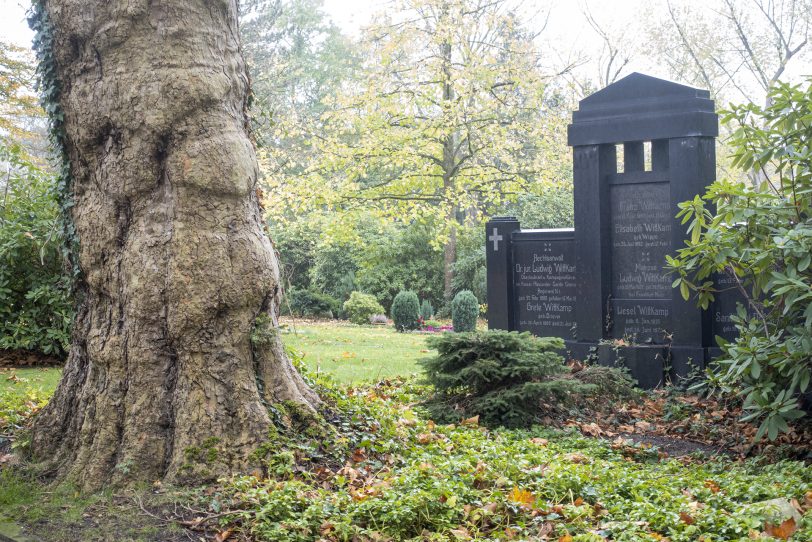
point(498, 259)
point(727, 300)
point(544, 281)
point(611, 294)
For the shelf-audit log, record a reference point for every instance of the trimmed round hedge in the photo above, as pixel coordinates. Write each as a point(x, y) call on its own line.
point(361, 307)
point(464, 311)
point(405, 311)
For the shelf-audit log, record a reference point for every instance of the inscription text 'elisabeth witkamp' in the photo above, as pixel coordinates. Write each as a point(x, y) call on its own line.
point(641, 238)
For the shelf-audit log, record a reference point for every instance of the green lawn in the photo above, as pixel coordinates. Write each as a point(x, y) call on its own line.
point(21, 381)
point(389, 474)
point(348, 352)
point(353, 353)
point(22, 393)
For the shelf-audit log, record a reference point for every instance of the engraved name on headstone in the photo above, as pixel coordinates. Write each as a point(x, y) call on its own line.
point(641, 238)
point(725, 306)
point(544, 282)
point(641, 221)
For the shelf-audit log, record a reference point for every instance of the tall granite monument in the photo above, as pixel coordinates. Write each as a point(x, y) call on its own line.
point(640, 147)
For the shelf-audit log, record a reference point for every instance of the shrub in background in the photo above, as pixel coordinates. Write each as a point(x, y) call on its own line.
point(36, 306)
point(480, 285)
point(464, 311)
point(469, 270)
point(310, 304)
point(361, 307)
point(443, 311)
point(762, 239)
point(501, 376)
point(379, 259)
point(547, 205)
point(406, 311)
point(551, 209)
point(426, 310)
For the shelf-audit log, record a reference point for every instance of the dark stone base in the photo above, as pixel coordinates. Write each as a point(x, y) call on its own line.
point(686, 362)
point(714, 352)
point(581, 351)
point(646, 364)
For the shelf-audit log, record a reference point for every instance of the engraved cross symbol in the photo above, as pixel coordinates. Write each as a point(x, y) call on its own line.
point(495, 237)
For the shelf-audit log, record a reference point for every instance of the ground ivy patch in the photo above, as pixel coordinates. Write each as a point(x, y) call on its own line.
point(404, 477)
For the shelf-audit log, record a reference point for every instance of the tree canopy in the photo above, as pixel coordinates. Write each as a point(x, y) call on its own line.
point(447, 118)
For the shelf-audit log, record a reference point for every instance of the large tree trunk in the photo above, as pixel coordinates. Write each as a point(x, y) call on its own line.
point(449, 259)
point(162, 378)
point(449, 165)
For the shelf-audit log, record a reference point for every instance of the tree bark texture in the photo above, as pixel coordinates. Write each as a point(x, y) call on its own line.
point(176, 268)
point(449, 259)
point(449, 167)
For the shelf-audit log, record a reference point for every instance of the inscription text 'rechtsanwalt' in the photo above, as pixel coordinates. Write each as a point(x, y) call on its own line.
point(547, 258)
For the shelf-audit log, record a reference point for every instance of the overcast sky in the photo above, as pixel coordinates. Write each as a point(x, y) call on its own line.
point(566, 26)
point(13, 27)
point(567, 29)
point(565, 22)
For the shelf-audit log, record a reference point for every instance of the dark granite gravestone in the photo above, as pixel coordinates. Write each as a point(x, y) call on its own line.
point(725, 306)
point(640, 239)
point(544, 282)
point(727, 300)
point(498, 259)
point(625, 216)
point(611, 295)
point(531, 278)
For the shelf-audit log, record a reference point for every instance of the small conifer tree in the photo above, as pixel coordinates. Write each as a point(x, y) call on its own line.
point(405, 311)
point(501, 376)
point(426, 310)
point(464, 311)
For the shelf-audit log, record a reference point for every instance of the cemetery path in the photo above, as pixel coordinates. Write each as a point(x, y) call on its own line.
point(676, 447)
point(679, 424)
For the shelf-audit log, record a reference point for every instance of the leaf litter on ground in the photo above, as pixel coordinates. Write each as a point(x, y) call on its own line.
point(406, 477)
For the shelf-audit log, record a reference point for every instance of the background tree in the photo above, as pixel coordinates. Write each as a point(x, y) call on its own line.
point(175, 353)
point(298, 60)
point(21, 117)
point(296, 57)
point(616, 52)
point(738, 50)
point(444, 122)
